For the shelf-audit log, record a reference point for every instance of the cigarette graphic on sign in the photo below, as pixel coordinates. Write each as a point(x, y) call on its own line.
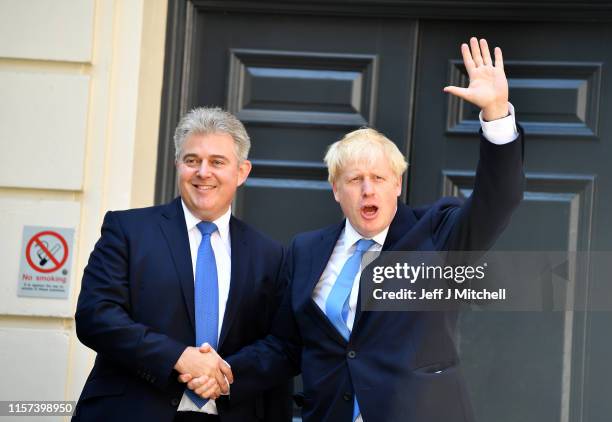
point(42, 255)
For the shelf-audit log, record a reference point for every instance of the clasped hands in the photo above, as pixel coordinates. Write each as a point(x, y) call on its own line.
point(204, 371)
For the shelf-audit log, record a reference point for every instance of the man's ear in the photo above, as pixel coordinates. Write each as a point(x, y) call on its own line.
point(398, 190)
point(243, 171)
point(335, 190)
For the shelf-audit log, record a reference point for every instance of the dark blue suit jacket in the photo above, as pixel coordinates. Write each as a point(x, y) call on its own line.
point(403, 366)
point(136, 309)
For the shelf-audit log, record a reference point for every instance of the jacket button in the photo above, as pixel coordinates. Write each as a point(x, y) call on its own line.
point(175, 402)
point(347, 396)
point(352, 354)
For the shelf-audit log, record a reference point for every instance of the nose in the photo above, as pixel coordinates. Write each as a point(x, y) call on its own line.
point(203, 170)
point(367, 187)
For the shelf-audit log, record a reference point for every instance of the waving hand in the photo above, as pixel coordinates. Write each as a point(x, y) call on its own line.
point(488, 88)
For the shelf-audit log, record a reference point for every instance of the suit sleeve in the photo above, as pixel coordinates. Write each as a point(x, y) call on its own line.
point(104, 316)
point(498, 190)
point(273, 359)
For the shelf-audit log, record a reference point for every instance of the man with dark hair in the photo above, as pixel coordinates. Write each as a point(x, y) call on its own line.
point(165, 279)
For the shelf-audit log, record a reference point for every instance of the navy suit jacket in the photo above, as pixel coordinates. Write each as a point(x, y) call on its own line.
point(136, 310)
point(403, 366)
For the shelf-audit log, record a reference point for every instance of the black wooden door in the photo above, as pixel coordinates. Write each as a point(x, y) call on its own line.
point(299, 84)
point(301, 74)
point(529, 366)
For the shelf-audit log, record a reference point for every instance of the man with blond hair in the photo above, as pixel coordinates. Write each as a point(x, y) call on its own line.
point(386, 366)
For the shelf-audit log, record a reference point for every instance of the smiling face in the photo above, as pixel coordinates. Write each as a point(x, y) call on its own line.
point(367, 190)
point(209, 174)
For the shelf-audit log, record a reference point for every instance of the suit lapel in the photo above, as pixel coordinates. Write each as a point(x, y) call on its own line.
point(174, 229)
point(403, 221)
point(319, 261)
point(401, 224)
point(240, 260)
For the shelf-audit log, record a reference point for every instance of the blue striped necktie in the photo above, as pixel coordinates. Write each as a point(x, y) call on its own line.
point(206, 292)
point(337, 304)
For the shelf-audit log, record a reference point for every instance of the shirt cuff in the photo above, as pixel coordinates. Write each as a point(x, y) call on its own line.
point(500, 131)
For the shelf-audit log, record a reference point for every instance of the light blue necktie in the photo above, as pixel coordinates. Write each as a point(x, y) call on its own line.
point(337, 305)
point(206, 292)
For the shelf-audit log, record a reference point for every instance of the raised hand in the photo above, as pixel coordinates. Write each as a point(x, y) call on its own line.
point(205, 364)
point(488, 88)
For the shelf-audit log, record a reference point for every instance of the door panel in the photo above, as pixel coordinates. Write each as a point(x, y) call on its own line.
point(528, 366)
point(300, 83)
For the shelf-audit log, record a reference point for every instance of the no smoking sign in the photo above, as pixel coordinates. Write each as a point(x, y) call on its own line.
point(46, 257)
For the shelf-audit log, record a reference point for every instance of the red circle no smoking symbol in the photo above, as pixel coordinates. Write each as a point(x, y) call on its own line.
point(47, 251)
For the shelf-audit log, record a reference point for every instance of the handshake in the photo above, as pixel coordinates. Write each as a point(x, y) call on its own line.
point(204, 371)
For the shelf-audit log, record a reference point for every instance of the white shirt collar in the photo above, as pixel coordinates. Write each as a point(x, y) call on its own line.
point(351, 236)
point(222, 222)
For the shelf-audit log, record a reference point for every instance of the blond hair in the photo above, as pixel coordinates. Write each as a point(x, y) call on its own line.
point(357, 146)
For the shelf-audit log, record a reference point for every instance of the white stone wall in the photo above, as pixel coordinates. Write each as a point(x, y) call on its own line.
point(79, 121)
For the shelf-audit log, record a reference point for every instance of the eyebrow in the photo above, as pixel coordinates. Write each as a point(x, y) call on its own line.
point(223, 157)
point(214, 156)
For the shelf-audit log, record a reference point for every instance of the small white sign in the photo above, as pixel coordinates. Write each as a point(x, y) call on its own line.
point(46, 260)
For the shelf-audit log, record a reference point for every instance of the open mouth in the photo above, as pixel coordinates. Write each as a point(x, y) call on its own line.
point(369, 211)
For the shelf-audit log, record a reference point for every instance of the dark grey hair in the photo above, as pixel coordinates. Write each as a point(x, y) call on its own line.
point(203, 120)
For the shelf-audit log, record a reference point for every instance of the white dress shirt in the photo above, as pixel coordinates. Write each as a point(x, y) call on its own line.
point(501, 131)
point(221, 245)
point(344, 249)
